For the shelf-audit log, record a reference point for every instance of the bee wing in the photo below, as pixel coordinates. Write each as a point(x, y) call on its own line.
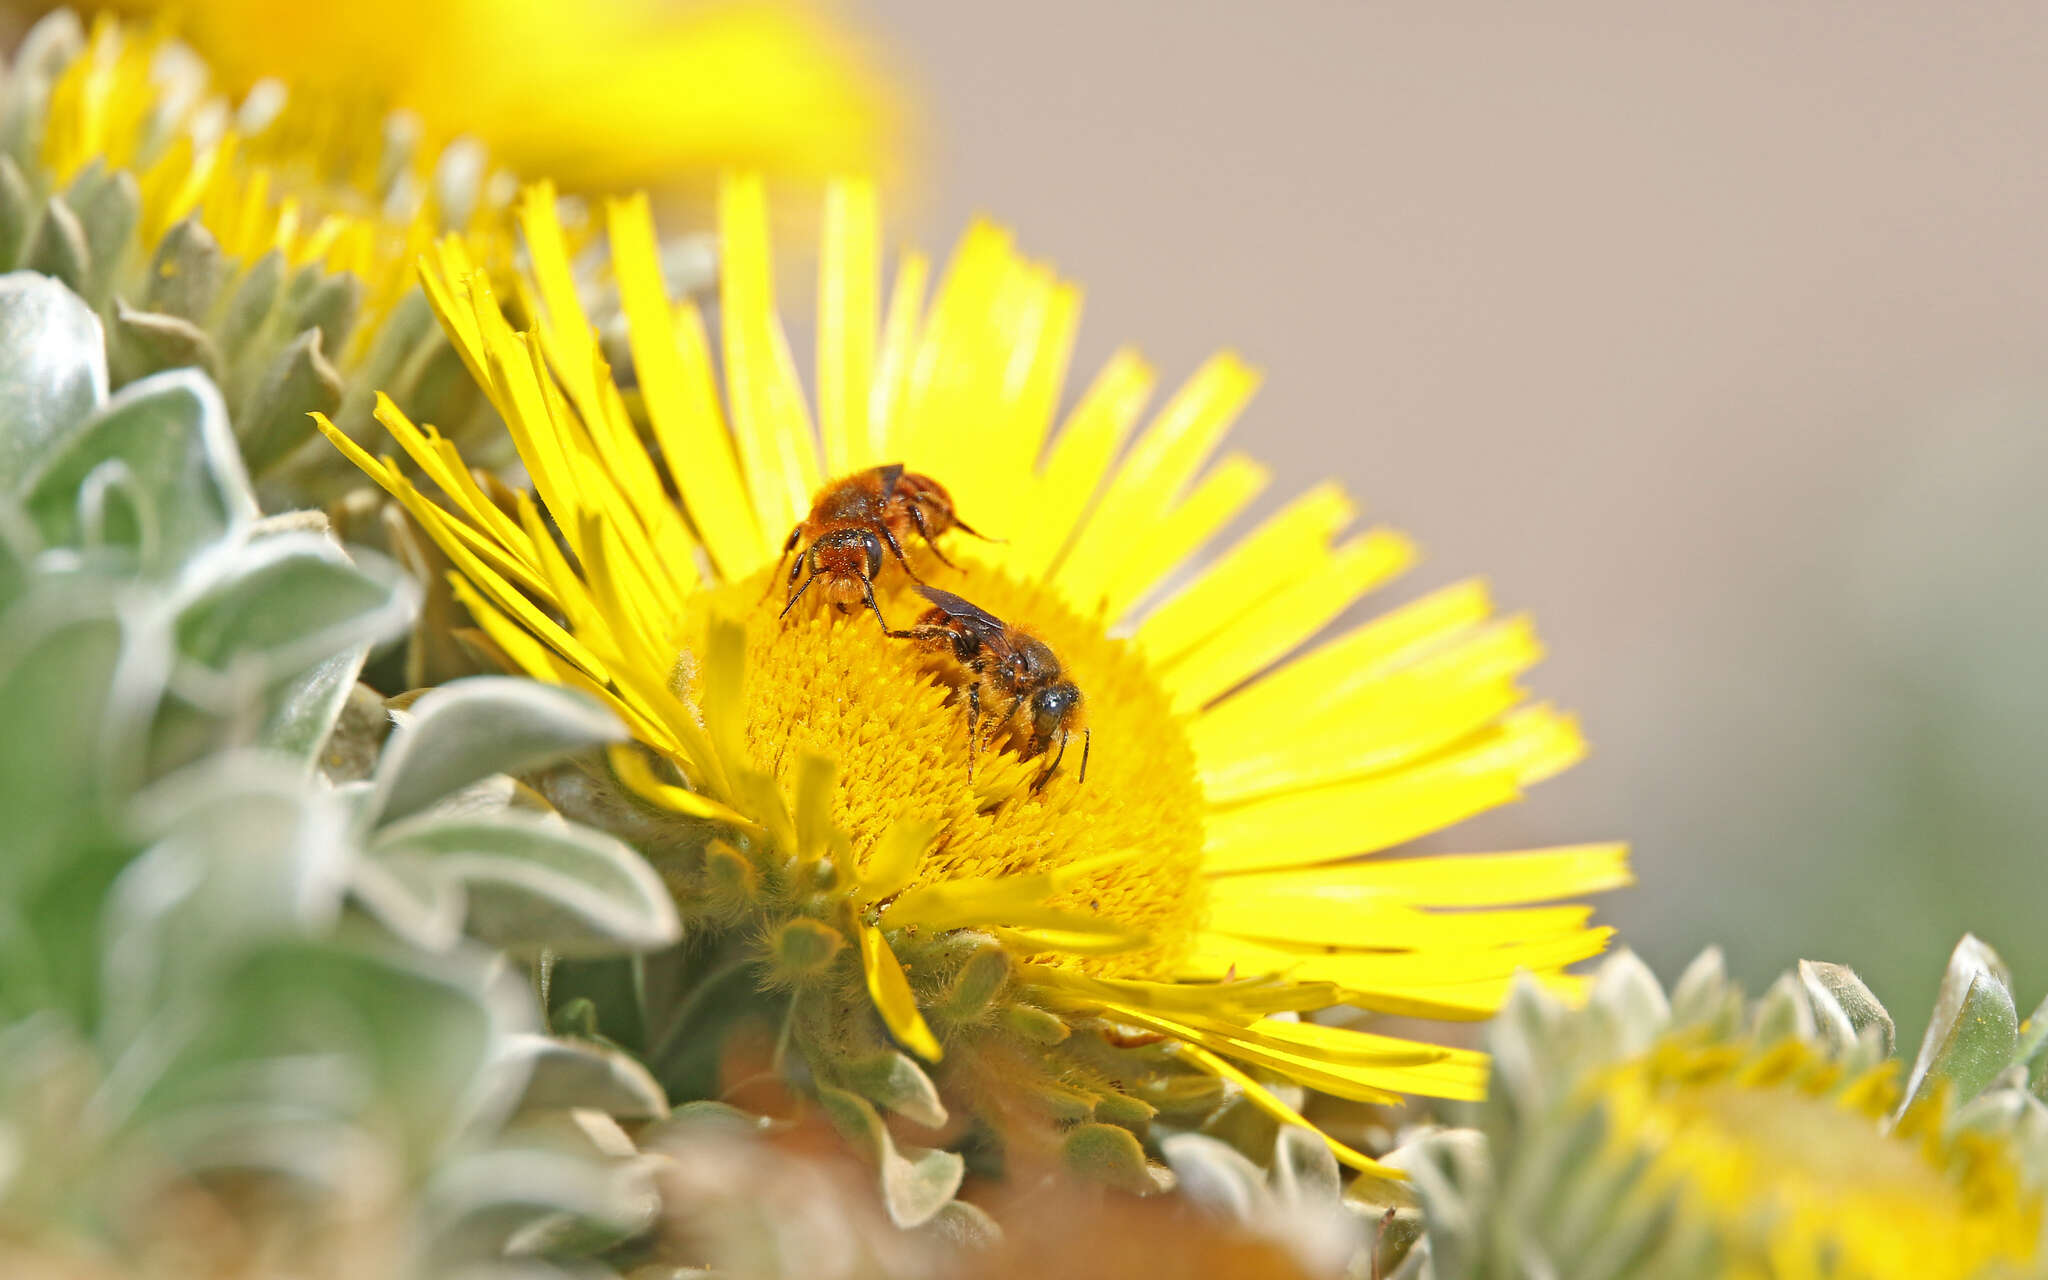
point(973, 615)
point(889, 475)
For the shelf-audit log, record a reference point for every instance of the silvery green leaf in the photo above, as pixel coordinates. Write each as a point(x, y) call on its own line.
point(109, 206)
point(275, 418)
point(893, 1080)
point(1784, 1013)
point(1702, 993)
point(282, 605)
point(1974, 1028)
point(1628, 992)
point(536, 882)
point(581, 1074)
point(1520, 1042)
point(167, 439)
point(964, 1227)
point(1304, 1168)
point(144, 342)
point(325, 302)
point(17, 207)
point(1843, 1007)
point(250, 305)
point(53, 369)
point(1217, 1176)
point(411, 899)
point(407, 1041)
point(2031, 1052)
point(488, 1204)
point(305, 713)
point(59, 698)
point(57, 245)
point(916, 1182)
point(470, 729)
point(186, 274)
point(240, 852)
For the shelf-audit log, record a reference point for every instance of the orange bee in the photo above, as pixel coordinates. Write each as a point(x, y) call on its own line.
point(852, 520)
point(1009, 661)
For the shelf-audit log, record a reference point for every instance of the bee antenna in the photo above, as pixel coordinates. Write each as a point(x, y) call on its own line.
point(1087, 741)
point(798, 596)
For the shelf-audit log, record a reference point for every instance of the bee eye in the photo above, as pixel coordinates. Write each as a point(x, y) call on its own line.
point(872, 547)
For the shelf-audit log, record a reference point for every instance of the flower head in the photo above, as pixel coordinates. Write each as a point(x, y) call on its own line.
point(269, 242)
point(1709, 1136)
point(694, 85)
point(1165, 917)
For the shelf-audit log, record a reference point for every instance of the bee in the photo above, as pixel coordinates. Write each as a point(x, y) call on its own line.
point(852, 520)
point(1008, 662)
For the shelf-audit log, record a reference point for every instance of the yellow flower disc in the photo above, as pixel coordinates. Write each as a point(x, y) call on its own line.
point(835, 687)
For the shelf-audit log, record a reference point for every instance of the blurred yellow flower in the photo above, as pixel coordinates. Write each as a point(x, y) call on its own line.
point(1795, 1165)
point(1204, 883)
point(594, 94)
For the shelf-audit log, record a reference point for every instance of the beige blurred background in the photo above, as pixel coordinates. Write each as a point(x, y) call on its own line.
point(1712, 332)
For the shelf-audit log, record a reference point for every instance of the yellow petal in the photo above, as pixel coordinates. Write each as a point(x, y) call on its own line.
point(849, 275)
point(674, 369)
point(1269, 1102)
point(890, 991)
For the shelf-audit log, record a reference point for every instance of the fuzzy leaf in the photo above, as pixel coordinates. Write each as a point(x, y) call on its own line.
point(537, 882)
point(17, 206)
point(53, 369)
point(108, 205)
point(1783, 1012)
point(58, 696)
point(242, 854)
point(1974, 1028)
point(284, 605)
point(894, 1081)
point(1628, 992)
point(1843, 1007)
point(471, 729)
point(306, 712)
point(336, 1030)
point(57, 246)
point(145, 342)
point(1111, 1156)
point(186, 274)
point(167, 436)
point(1217, 1176)
point(916, 1183)
point(582, 1074)
point(274, 418)
point(2032, 1050)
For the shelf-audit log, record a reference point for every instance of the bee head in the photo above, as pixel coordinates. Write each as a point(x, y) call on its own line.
point(1052, 706)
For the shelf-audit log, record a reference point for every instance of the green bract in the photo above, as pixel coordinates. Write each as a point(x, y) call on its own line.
point(226, 980)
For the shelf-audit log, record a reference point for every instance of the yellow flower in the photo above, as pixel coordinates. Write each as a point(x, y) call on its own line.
point(1204, 883)
point(599, 93)
point(1792, 1163)
point(271, 242)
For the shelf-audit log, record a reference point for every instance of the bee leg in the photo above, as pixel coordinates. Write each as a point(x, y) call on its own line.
point(973, 726)
point(797, 595)
point(787, 547)
point(996, 723)
point(1087, 741)
point(925, 531)
point(867, 594)
point(896, 549)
